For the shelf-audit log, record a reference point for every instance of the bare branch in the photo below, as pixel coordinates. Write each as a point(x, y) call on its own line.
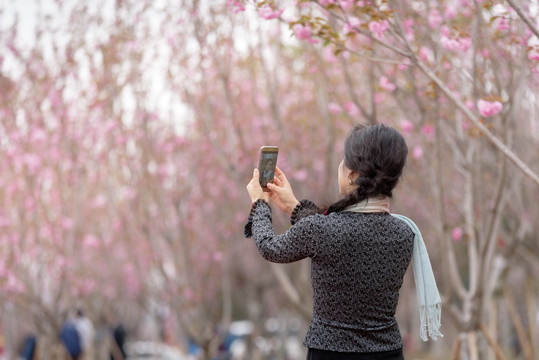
point(460, 104)
point(290, 290)
point(524, 17)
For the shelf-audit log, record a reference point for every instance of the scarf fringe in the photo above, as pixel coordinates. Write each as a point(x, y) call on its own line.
point(430, 317)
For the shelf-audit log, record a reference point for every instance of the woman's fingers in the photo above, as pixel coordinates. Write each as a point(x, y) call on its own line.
point(280, 174)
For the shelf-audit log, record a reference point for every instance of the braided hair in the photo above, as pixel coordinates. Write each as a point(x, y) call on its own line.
point(378, 153)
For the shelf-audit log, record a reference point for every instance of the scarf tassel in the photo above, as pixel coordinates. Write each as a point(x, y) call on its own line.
point(430, 317)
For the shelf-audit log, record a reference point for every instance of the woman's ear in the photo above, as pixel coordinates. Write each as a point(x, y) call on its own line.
point(352, 174)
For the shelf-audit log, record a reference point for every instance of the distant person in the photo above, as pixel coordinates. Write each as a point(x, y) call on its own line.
point(86, 332)
point(28, 350)
point(118, 345)
point(71, 339)
point(359, 252)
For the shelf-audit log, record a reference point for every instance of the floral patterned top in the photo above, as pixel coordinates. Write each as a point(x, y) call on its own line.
point(358, 264)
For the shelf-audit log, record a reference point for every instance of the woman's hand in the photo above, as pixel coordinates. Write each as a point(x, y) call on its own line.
point(255, 190)
point(281, 192)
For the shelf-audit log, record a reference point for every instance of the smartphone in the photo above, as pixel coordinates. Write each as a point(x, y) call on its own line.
point(267, 164)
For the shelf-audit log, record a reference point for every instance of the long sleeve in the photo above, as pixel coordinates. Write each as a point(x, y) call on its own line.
point(297, 243)
point(303, 209)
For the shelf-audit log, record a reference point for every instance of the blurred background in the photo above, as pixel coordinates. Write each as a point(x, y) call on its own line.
point(130, 128)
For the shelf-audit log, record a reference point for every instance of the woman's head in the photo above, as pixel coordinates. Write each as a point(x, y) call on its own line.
point(269, 165)
point(374, 158)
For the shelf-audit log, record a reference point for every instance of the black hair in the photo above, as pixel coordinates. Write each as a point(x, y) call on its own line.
point(378, 153)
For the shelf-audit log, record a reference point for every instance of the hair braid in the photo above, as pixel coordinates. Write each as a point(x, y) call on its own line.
point(378, 153)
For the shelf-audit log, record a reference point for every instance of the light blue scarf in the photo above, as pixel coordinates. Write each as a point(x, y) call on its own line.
point(428, 297)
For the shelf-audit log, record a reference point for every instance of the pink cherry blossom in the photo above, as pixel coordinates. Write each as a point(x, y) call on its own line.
point(329, 55)
point(13, 285)
point(351, 108)
point(38, 135)
point(503, 24)
point(445, 31)
point(489, 108)
point(98, 202)
point(304, 32)
point(378, 97)
point(450, 11)
point(417, 152)
point(406, 126)
point(405, 64)
point(352, 25)
point(235, 6)
point(91, 241)
point(469, 104)
point(408, 25)
point(326, 2)
point(67, 223)
point(268, 13)
point(33, 162)
point(386, 84)
point(378, 27)
point(334, 108)
point(346, 5)
point(428, 130)
point(534, 55)
point(54, 98)
point(460, 44)
point(217, 256)
point(434, 19)
point(300, 175)
point(456, 234)
point(425, 53)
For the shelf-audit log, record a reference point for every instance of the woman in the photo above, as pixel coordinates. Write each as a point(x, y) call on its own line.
point(359, 252)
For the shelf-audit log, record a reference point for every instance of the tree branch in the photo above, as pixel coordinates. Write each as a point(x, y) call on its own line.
point(524, 17)
point(476, 120)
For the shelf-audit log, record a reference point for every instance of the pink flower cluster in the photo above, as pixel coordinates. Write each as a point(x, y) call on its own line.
point(334, 108)
point(378, 28)
point(235, 6)
point(268, 13)
point(352, 25)
point(489, 108)
point(406, 126)
point(434, 19)
point(428, 131)
point(456, 234)
point(459, 44)
point(304, 32)
point(503, 24)
point(417, 152)
point(386, 84)
point(344, 4)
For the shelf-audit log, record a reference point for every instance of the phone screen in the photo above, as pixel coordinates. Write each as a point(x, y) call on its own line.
point(268, 162)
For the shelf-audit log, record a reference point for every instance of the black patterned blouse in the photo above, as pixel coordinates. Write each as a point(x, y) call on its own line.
point(358, 264)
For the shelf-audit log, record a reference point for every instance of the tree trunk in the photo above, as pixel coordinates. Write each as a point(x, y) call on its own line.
point(531, 299)
point(492, 325)
point(468, 346)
